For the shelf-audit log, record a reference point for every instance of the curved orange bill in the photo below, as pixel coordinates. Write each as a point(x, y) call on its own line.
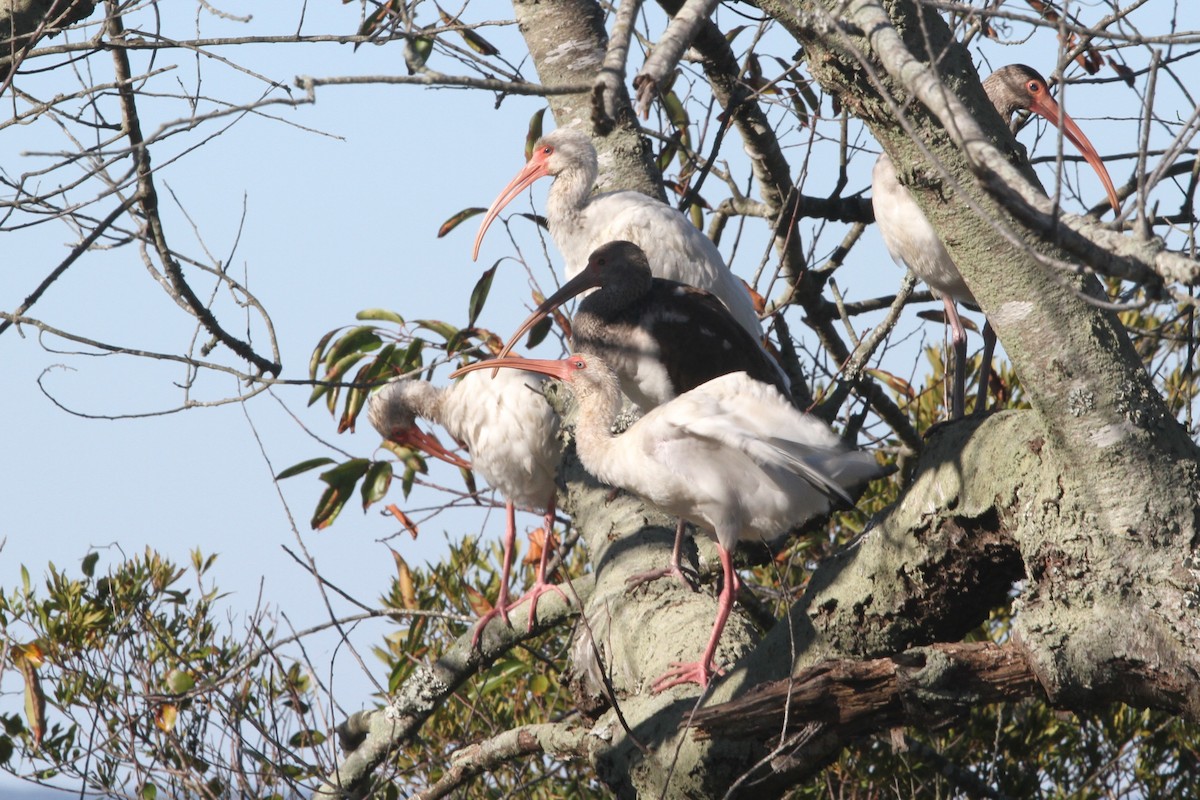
point(1046, 106)
point(555, 368)
point(580, 283)
point(534, 168)
point(418, 439)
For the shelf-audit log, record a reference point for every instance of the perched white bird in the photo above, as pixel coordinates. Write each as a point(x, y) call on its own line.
point(512, 435)
point(912, 241)
point(660, 337)
point(579, 223)
point(731, 456)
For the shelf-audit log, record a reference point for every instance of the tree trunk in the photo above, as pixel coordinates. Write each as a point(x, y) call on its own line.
point(1090, 497)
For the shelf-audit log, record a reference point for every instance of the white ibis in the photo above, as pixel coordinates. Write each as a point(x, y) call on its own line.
point(912, 241)
point(732, 456)
point(511, 433)
point(660, 337)
point(580, 223)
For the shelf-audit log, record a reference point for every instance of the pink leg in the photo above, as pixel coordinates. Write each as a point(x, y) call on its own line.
point(702, 671)
point(673, 568)
point(500, 609)
point(985, 367)
point(541, 585)
point(958, 339)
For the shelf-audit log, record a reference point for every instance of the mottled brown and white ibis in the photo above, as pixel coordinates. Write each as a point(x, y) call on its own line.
point(580, 222)
point(912, 241)
point(512, 435)
point(661, 338)
point(732, 456)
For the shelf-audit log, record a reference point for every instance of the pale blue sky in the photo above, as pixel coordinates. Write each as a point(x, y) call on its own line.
point(333, 225)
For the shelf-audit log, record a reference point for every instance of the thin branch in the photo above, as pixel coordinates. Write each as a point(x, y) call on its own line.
point(370, 736)
point(147, 197)
point(563, 741)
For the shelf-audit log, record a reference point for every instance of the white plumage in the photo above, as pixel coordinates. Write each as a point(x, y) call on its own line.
point(511, 433)
point(579, 223)
point(912, 241)
point(731, 456)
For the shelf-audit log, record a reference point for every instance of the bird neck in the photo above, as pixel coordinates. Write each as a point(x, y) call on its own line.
point(570, 191)
point(425, 400)
point(599, 399)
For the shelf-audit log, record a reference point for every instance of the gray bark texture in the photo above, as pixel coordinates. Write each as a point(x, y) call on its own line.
point(1087, 503)
point(1090, 497)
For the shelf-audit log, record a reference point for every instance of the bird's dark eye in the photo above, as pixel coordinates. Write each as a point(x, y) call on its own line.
point(548, 150)
point(579, 363)
point(1034, 87)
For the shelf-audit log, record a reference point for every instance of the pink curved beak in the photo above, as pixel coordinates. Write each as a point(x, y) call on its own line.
point(418, 439)
point(534, 168)
point(1045, 106)
point(556, 368)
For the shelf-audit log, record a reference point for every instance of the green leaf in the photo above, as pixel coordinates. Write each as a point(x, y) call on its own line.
point(535, 131)
point(307, 738)
point(676, 113)
point(538, 332)
point(348, 472)
point(443, 329)
point(458, 219)
point(479, 295)
point(179, 682)
point(380, 315)
point(319, 353)
point(304, 466)
point(149, 792)
point(333, 375)
point(363, 339)
point(89, 564)
point(376, 484)
point(328, 507)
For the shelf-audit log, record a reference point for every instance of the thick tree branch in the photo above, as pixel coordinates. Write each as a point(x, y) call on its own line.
point(610, 81)
point(669, 49)
point(923, 687)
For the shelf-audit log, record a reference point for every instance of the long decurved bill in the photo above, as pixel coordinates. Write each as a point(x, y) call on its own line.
point(534, 168)
point(1046, 106)
point(427, 443)
point(587, 279)
point(560, 368)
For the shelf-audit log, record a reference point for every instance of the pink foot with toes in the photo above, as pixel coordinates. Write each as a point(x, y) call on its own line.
point(685, 672)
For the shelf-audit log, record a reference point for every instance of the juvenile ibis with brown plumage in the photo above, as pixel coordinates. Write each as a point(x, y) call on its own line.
point(580, 222)
point(660, 337)
point(512, 435)
point(731, 456)
point(912, 241)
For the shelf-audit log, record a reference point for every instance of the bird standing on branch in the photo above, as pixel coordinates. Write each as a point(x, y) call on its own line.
point(512, 435)
point(660, 337)
point(913, 243)
point(731, 456)
point(580, 222)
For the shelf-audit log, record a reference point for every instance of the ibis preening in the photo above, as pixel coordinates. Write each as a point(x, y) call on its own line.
point(912, 241)
point(731, 456)
point(512, 435)
point(580, 222)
